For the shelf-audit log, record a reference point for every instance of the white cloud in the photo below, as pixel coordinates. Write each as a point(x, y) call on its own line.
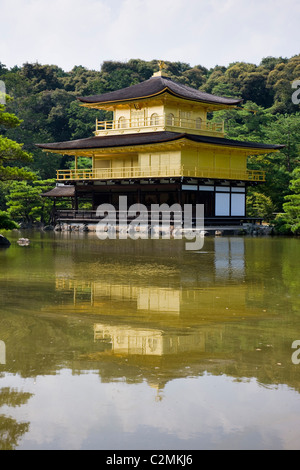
point(73, 411)
point(87, 32)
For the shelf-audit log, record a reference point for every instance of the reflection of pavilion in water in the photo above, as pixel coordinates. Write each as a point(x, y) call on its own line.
point(158, 316)
point(141, 341)
point(191, 286)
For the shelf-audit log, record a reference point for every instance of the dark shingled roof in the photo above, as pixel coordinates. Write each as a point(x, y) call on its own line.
point(147, 138)
point(155, 86)
point(60, 191)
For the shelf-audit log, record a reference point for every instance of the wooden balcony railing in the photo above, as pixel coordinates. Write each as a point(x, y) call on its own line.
point(159, 122)
point(161, 172)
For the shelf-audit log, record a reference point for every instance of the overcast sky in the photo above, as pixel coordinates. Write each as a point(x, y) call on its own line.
point(199, 32)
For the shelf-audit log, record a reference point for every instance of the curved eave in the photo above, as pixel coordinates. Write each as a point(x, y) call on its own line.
point(136, 143)
point(110, 103)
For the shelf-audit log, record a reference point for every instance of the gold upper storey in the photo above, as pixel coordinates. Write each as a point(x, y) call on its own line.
point(156, 122)
point(163, 112)
point(159, 115)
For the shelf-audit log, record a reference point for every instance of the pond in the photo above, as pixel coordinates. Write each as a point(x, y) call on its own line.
point(140, 344)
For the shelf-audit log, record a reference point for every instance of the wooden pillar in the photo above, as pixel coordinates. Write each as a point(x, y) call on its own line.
point(179, 195)
point(76, 200)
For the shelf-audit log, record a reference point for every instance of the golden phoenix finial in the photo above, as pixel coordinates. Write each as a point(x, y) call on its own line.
point(161, 64)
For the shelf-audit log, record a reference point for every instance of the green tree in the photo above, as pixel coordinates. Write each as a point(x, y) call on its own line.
point(280, 80)
point(290, 219)
point(6, 222)
point(260, 205)
point(82, 163)
point(43, 77)
point(81, 121)
point(283, 129)
point(11, 152)
point(246, 123)
point(26, 204)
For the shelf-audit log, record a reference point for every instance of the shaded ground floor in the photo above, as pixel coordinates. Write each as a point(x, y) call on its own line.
point(223, 201)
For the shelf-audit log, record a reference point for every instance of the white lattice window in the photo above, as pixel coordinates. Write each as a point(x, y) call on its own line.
point(198, 123)
point(138, 118)
point(170, 119)
point(154, 120)
point(122, 122)
point(185, 115)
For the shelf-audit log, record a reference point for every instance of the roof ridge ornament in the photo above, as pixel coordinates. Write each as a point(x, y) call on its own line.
point(162, 72)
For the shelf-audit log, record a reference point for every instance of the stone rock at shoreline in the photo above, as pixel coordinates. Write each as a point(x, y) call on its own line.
point(4, 242)
point(23, 242)
point(48, 228)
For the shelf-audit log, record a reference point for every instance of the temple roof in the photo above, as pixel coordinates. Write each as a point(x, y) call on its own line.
point(60, 191)
point(154, 87)
point(149, 138)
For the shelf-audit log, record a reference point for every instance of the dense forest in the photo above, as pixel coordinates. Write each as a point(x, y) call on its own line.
point(41, 106)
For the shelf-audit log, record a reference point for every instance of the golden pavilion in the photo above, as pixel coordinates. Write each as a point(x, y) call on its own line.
point(160, 147)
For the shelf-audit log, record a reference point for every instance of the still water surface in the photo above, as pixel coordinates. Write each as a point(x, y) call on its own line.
point(142, 345)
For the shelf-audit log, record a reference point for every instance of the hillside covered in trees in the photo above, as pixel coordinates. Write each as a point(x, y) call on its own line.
point(44, 100)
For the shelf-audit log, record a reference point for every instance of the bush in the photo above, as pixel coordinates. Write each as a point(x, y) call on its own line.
point(282, 225)
point(260, 205)
point(291, 207)
point(6, 222)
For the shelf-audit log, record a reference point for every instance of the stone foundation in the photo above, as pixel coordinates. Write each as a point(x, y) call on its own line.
point(245, 229)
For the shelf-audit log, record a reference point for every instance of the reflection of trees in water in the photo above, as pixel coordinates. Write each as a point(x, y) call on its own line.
point(11, 397)
point(10, 430)
point(290, 273)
